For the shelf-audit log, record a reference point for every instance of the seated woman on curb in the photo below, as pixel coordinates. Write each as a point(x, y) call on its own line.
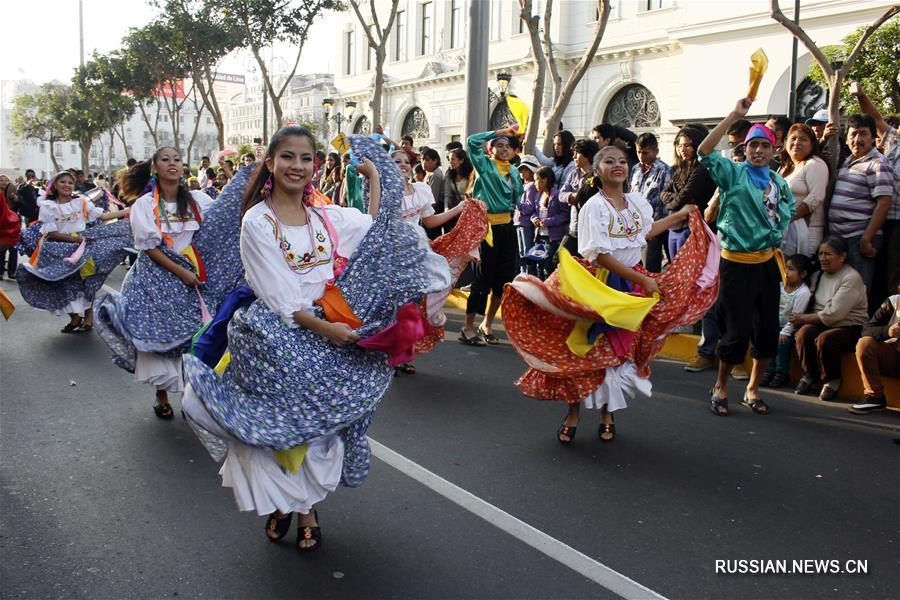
point(839, 310)
point(878, 354)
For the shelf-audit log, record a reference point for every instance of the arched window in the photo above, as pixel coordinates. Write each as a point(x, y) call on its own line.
point(362, 126)
point(633, 106)
point(810, 97)
point(501, 116)
point(415, 124)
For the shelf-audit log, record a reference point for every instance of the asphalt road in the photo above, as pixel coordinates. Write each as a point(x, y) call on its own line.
point(100, 499)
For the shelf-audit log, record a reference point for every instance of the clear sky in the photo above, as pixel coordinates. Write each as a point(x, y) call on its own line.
point(41, 37)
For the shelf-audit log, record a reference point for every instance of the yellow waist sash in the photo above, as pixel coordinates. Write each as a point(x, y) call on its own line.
point(496, 219)
point(757, 258)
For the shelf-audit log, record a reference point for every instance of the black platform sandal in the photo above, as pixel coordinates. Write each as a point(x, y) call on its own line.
point(278, 525)
point(607, 429)
point(309, 533)
point(72, 326)
point(569, 432)
point(164, 411)
point(718, 406)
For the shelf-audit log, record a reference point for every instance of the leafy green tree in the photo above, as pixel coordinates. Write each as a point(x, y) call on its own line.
point(156, 76)
point(37, 116)
point(877, 67)
point(262, 23)
point(100, 79)
point(202, 38)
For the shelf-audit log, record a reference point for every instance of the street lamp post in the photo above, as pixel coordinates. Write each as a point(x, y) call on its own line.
point(503, 79)
point(338, 118)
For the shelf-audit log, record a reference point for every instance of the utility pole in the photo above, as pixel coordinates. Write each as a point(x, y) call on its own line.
point(81, 31)
point(477, 68)
point(792, 98)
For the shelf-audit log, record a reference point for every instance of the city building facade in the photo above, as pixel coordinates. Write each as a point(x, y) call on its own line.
point(661, 63)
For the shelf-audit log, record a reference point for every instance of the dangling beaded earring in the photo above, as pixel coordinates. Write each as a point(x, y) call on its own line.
point(266, 190)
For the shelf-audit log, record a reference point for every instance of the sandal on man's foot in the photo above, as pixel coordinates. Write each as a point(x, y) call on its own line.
point(470, 341)
point(756, 405)
point(279, 526)
point(72, 326)
point(607, 429)
point(569, 432)
point(309, 534)
point(163, 410)
point(490, 338)
point(719, 406)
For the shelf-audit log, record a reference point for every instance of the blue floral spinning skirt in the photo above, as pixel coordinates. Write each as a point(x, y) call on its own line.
point(155, 311)
point(57, 286)
point(287, 387)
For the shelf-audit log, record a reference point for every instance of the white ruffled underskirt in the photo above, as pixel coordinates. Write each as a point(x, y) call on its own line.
point(162, 373)
point(77, 306)
point(618, 384)
point(258, 481)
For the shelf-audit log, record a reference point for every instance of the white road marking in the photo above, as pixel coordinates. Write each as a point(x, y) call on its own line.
point(537, 539)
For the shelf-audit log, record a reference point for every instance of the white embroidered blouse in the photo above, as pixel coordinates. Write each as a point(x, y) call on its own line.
point(180, 230)
point(289, 266)
point(67, 217)
point(622, 233)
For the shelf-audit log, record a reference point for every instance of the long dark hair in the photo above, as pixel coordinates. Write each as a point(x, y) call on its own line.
point(54, 193)
point(787, 164)
point(684, 167)
point(253, 195)
point(135, 180)
point(568, 140)
point(465, 169)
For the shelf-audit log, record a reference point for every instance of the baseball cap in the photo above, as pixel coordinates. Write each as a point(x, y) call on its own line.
point(821, 116)
point(530, 162)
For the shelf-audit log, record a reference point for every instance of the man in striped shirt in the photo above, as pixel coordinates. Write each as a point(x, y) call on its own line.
point(862, 197)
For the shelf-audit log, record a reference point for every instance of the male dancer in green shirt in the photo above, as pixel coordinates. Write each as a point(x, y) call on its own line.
point(499, 186)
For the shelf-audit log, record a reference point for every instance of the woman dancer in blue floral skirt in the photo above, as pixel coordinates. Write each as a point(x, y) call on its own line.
point(290, 412)
point(188, 261)
point(62, 276)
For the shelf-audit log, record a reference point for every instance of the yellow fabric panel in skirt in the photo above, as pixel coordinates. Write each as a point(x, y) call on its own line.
point(617, 308)
point(290, 460)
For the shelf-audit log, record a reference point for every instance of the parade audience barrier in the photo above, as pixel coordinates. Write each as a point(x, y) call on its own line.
point(683, 347)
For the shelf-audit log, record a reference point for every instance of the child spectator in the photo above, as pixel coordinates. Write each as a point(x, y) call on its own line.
point(795, 297)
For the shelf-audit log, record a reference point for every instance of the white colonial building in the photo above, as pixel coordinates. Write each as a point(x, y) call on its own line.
point(18, 154)
point(662, 63)
point(301, 103)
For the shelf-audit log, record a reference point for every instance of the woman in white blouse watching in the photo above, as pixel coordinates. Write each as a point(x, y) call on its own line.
point(168, 214)
point(807, 176)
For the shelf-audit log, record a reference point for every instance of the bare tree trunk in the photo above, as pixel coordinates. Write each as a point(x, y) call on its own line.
point(196, 127)
point(559, 107)
point(85, 145)
point(540, 74)
point(52, 143)
point(151, 127)
point(555, 77)
point(379, 44)
point(835, 77)
point(109, 155)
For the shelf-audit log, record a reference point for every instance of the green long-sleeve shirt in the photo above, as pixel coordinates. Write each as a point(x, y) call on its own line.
point(353, 190)
point(744, 223)
point(501, 194)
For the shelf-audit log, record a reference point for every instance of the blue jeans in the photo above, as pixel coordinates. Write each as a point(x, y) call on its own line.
point(709, 334)
point(864, 265)
point(677, 238)
point(782, 362)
